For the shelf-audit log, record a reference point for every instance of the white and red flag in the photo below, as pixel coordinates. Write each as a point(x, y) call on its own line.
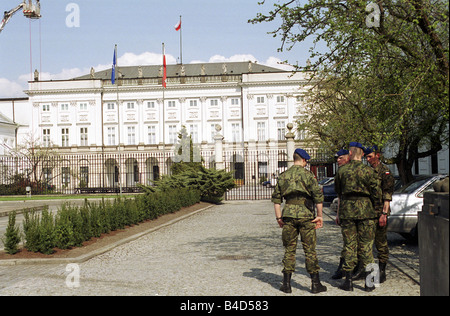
point(178, 26)
point(164, 80)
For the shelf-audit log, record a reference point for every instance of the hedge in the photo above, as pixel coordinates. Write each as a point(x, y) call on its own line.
point(72, 225)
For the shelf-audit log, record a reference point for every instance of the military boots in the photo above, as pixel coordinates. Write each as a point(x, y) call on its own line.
point(348, 283)
point(286, 287)
point(382, 266)
point(339, 272)
point(316, 286)
point(358, 273)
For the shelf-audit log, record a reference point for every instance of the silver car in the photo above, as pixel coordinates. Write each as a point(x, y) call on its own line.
point(406, 202)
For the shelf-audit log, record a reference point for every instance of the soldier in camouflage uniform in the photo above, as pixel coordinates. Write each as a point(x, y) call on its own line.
point(359, 192)
point(300, 190)
point(342, 159)
point(387, 183)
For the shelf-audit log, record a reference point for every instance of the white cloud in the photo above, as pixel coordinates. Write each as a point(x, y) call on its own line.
point(10, 89)
point(271, 61)
point(147, 58)
point(234, 58)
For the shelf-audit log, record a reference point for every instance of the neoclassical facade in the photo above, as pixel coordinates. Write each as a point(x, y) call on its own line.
point(122, 134)
point(251, 102)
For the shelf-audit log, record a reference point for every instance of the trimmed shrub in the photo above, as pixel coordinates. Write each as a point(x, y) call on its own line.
point(12, 235)
point(72, 225)
point(46, 233)
point(31, 230)
point(64, 238)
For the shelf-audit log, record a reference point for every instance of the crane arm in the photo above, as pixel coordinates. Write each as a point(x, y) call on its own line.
point(8, 15)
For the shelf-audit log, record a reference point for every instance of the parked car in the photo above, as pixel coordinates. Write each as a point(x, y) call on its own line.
point(326, 181)
point(329, 194)
point(406, 202)
point(334, 205)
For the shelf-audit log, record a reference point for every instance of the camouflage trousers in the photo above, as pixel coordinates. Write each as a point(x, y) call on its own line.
point(291, 230)
point(359, 236)
point(381, 243)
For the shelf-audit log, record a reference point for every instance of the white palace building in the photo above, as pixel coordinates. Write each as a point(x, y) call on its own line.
point(251, 102)
point(248, 104)
point(123, 134)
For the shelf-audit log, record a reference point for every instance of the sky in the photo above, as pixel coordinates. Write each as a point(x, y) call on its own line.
point(73, 36)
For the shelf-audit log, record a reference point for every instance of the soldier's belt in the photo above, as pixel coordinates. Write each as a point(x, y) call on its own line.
point(296, 201)
point(355, 197)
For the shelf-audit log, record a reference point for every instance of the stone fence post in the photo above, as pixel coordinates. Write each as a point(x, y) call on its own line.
point(218, 148)
point(290, 136)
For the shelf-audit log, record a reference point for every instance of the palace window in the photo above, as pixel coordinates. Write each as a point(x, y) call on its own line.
point(111, 136)
point(46, 137)
point(131, 135)
point(65, 137)
point(152, 134)
point(261, 129)
point(281, 128)
point(83, 136)
point(172, 134)
point(64, 106)
point(236, 132)
point(83, 106)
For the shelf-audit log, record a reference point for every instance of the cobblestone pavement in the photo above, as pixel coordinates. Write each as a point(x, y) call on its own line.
point(232, 249)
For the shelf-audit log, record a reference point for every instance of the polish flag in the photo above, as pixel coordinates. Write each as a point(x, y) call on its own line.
point(164, 81)
point(178, 26)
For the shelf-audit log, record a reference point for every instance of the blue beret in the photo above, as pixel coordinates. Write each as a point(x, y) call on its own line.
point(302, 153)
point(356, 144)
point(371, 149)
point(342, 152)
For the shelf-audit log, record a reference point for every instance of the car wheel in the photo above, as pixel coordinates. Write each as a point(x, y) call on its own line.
point(412, 236)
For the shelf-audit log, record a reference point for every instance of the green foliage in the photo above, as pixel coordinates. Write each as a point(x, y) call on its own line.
point(12, 235)
point(210, 183)
point(386, 85)
point(72, 225)
point(31, 230)
point(63, 229)
point(46, 233)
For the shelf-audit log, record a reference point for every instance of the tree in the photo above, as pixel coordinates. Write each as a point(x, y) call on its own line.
point(384, 75)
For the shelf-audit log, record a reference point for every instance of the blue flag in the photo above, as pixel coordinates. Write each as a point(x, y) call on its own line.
point(113, 73)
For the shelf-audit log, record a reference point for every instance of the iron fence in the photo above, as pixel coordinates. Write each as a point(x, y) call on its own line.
point(85, 173)
point(255, 172)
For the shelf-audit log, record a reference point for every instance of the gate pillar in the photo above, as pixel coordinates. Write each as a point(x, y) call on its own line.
point(218, 148)
point(290, 136)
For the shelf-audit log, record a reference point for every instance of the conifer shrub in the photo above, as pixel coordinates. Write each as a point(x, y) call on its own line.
point(46, 233)
point(31, 230)
point(11, 239)
point(72, 225)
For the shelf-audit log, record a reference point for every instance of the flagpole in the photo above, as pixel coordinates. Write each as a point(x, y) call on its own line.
point(118, 121)
point(163, 105)
point(181, 42)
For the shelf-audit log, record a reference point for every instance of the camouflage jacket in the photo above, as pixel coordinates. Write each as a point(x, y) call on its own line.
point(387, 183)
point(297, 183)
point(359, 191)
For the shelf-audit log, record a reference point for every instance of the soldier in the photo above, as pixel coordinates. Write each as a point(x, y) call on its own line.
point(300, 190)
point(387, 183)
point(342, 158)
point(358, 189)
